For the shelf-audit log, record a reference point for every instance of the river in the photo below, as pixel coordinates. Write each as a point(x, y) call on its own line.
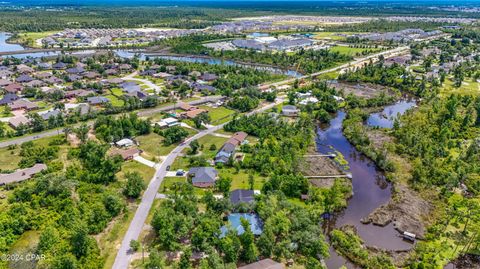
point(370, 188)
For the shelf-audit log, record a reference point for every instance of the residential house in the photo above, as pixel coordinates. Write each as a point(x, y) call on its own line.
point(237, 138)
point(111, 72)
point(91, 75)
point(125, 67)
point(24, 104)
point(202, 88)
point(4, 82)
point(138, 94)
point(203, 177)
point(73, 77)
point(227, 151)
point(186, 107)
point(242, 196)
point(44, 65)
point(208, 77)
point(17, 121)
point(48, 114)
point(75, 70)
point(78, 93)
point(24, 69)
point(53, 80)
point(125, 143)
point(8, 98)
point(97, 100)
point(59, 66)
point(168, 122)
point(22, 174)
point(35, 83)
point(43, 75)
point(13, 88)
point(5, 74)
point(24, 79)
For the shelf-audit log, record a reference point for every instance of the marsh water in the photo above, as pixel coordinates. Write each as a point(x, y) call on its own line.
point(370, 188)
point(386, 117)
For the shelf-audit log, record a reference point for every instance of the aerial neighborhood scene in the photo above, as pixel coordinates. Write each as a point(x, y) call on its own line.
point(153, 134)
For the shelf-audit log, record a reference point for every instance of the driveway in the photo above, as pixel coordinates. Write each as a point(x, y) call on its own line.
point(124, 254)
point(146, 162)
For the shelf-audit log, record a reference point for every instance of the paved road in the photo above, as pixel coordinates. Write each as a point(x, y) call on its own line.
point(387, 53)
point(147, 82)
point(141, 113)
point(124, 255)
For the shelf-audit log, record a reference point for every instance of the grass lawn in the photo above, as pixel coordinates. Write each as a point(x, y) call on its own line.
point(114, 100)
point(168, 182)
point(351, 51)
point(240, 179)
point(29, 38)
point(209, 140)
point(337, 36)
point(180, 163)
point(3, 114)
point(329, 75)
point(109, 241)
point(219, 115)
point(468, 87)
point(152, 144)
point(9, 159)
point(116, 91)
point(131, 166)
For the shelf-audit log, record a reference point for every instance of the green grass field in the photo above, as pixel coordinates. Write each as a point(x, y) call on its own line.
point(132, 166)
point(219, 115)
point(209, 140)
point(29, 38)
point(351, 51)
point(152, 144)
point(336, 36)
point(468, 87)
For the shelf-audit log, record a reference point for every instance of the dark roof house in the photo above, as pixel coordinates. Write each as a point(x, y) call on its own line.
point(242, 196)
point(203, 177)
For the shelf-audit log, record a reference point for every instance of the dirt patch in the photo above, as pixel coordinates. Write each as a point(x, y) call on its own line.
point(467, 261)
point(365, 90)
point(398, 257)
point(73, 140)
point(378, 138)
point(323, 183)
point(318, 166)
point(406, 210)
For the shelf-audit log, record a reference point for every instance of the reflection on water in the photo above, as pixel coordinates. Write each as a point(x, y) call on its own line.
point(370, 189)
point(208, 60)
point(5, 47)
point(386, 117)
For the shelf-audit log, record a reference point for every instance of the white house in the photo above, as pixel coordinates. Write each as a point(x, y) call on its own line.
point(123, 143)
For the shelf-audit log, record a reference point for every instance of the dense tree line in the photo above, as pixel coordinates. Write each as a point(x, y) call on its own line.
point(112, 129)
point(66, 207)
